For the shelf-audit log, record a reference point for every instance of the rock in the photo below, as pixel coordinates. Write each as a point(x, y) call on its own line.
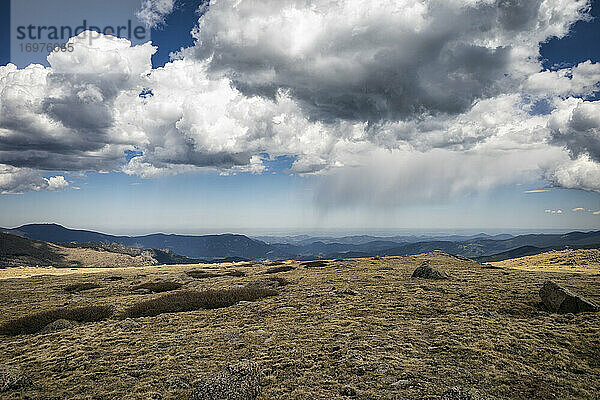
point(12, 379)
point(458, 393)
point(129, 325)
point(348, 391)
point(59, 325)
point(239, 381)
point(560, 300)
point(428, 272)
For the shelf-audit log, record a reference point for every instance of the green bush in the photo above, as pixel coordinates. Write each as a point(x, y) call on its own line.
point(36, 322)
point(159, 287)
point(191, 300)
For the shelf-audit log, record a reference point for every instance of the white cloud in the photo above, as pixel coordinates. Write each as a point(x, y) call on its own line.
point(349, 88)
point(596, 212)
point(536, 191)
point(154, 12)
point(581, 173)
point(19, 180)
point(576, 209)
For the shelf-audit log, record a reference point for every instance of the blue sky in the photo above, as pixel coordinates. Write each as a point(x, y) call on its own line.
point(282, 200)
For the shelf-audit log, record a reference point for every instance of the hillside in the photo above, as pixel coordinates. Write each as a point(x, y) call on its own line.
point(18, 251)
point(581, 260)
point(218, 247)
point(358, 328)
point(198, 247)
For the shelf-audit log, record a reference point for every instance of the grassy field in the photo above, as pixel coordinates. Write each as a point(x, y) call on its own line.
point(358, 328)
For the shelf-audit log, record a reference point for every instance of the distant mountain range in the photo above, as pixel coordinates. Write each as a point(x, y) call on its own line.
point(239, 247)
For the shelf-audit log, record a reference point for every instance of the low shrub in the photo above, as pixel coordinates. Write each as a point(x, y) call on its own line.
point(281, 268)
point(201, 274)
point(36, 322)
point(280, 281)
point(314, 264)
point(159, 287)
point(191, 300)
point(78, 287)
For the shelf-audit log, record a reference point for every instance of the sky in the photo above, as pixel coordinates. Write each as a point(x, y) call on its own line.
point(278, 117)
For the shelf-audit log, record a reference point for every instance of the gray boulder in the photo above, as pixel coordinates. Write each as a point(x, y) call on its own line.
point(239, 381)
point(428, 272)
point(59, 325)
point(560, 300)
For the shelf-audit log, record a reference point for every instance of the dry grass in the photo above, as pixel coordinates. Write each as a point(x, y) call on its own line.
point(396, 338)
point(36, 322)
point(79, 287)
point(191, 300)
point(581, 260)
point(159, 287)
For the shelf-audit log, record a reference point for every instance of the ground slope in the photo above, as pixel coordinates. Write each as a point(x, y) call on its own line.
point(18, 251)
point(581, 260)
point(351, 329)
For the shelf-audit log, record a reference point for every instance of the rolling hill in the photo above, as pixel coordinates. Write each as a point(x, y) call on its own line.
point(237, 247)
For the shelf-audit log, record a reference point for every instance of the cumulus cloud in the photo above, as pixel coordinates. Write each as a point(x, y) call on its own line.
point(348, 88)
point(576, 125)
point(19, 180)
point(382, 59)
point(154, 12)
point(581, 173)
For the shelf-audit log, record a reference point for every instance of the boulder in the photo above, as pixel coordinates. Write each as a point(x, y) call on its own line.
point(428, 272)
point(239, 381)
point(560, 300)
point(59, 325)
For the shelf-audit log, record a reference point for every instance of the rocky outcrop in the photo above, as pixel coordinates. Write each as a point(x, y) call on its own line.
point(239, 381)
point(428, 272)
point(560, 300)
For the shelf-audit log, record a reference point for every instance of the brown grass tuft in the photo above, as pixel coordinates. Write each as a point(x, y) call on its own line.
point(191, 300)
point(159, 287)
point(280, 281)
point(36, 322)
point(282, 268)
point(314, 264)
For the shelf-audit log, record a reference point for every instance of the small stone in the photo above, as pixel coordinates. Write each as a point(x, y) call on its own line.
point(348, 391)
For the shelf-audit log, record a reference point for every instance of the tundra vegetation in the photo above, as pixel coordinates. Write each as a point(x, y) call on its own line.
point(358, 328)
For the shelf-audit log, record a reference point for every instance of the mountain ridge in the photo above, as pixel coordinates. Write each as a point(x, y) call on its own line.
point(236, 246)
